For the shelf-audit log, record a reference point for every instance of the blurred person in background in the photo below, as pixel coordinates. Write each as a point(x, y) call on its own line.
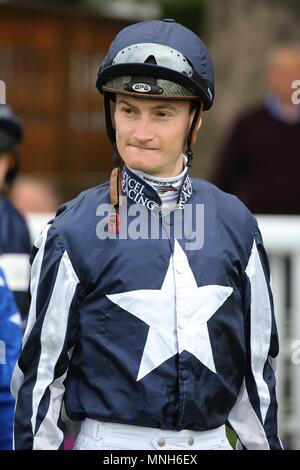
point(15, 245)
point(259, 161)
point(33, 194)
point(10, 346)
point(151, 343)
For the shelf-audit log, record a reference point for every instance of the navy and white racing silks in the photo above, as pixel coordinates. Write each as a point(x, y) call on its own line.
point(144, 330)
point(10, 346)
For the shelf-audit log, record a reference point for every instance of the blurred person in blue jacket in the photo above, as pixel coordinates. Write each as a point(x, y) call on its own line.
point(10, 344)
point(15, 245)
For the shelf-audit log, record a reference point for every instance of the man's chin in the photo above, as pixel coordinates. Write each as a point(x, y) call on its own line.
point(145, 168)
point(140, 165)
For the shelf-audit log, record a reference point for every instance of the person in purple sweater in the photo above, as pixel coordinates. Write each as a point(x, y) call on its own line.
point(260, 161)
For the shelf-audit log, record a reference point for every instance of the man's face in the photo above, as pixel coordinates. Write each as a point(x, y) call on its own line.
point(284, 69)
point(151, 133)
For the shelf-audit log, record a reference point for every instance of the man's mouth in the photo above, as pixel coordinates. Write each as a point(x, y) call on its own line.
point(139, 147)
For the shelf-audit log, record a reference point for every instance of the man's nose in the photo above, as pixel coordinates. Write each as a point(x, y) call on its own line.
point(143, 131)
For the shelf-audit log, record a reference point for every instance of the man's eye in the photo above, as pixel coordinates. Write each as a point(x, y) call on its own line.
point(162, 114)
point(127, 110)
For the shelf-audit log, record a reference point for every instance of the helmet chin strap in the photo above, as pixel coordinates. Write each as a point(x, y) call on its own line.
point(115, 185)
point(117, 162)
point(192, 136)
point(190, 157)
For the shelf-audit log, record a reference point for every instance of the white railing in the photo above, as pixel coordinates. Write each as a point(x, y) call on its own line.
point(36, 222)
point(281, 235)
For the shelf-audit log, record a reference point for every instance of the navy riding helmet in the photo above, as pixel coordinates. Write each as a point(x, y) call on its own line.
point(11, 134)
point(10, 129)
point(157, 59)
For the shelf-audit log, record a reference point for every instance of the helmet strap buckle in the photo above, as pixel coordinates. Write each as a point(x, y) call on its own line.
point(190, 157)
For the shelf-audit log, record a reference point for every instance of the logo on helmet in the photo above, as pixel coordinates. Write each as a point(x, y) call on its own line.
point(141, 87)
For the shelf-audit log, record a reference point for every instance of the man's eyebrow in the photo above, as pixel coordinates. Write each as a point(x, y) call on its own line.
point(155, 106)
point(123, 101)
point(165, 105)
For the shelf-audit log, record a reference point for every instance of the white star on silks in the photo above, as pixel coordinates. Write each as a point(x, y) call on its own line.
point(157, 309)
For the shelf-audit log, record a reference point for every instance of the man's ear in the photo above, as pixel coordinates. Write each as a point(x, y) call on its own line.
point(196, 130)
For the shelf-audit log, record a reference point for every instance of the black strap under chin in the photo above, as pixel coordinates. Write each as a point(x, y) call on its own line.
point(110, 130)
point(108, 122)
point(189, 152)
